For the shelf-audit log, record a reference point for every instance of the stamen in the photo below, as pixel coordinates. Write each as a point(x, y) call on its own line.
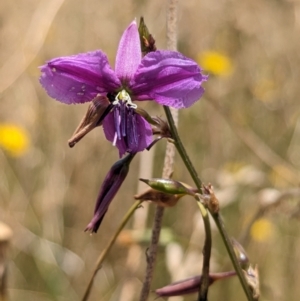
point(115, 139)
point(123, 119)
point(124, 97)
point(117, 121)
point(129, 128)
point(134, 127)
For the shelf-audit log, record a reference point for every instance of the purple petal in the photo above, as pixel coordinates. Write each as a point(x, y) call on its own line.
point(169, 78)
point(78, 78)
point(110, 130)
point(143, 133)
point(129, 53)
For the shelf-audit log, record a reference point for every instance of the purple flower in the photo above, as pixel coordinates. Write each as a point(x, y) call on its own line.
point(167, 77)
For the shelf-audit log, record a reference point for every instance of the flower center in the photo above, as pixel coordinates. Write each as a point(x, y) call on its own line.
point(124, 97)
point(125, 121)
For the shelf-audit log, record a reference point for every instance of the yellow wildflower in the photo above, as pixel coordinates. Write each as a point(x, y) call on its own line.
point(215, 63)
point(13, 139)
point(262, 230)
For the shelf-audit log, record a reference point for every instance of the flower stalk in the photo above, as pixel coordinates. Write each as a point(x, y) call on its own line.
point(168, 162)
point(205, 282)
point(215, 215)
point(104, 253)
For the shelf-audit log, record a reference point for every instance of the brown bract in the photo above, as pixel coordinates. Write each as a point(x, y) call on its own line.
point(209, 198)
point(159, 198)
point(93, 118)
point(252, 277)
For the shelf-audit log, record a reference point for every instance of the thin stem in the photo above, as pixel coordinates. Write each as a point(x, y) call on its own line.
point(216, 216)
point(220, 224)
point(151, 256)
point(109, 246)
point(181, 150)
point(203, 289)
point(204, 284)
point(168, 162)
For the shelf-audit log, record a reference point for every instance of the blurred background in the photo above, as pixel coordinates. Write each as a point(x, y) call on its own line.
point(243, 137)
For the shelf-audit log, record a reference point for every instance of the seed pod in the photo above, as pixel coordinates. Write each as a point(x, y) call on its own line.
point(169, 186)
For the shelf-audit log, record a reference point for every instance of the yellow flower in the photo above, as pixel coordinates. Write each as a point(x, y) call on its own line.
point(13, 139)
point(215, 63)
point(262, 230)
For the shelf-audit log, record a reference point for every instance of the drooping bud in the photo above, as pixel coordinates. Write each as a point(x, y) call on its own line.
point(108, 190)
point(240, 254)
point(147, 40)
point(99, 107)
point(159, 198)
point(170, 186)
point(190, 285)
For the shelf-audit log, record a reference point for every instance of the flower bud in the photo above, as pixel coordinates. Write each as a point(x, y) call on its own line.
point(241, 254)
point(147, 41)
point(190, 285)
point(169, 186)
point(108, 190)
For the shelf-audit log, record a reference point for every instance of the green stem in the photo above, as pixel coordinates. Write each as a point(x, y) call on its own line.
point(109, 246)
point(204, 284)
point(217, 218)
point(181, 150)
point(220, 224)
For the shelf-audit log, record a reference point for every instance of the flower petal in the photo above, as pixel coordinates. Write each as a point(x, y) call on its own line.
point(78, 78)
point(143, 132)
point(145, 136)
point(129, 53)
point(169, 78)
point(109, 131)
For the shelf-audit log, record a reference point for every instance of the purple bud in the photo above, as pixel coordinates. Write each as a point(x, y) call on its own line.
point(108, 190)
point(190, 285)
